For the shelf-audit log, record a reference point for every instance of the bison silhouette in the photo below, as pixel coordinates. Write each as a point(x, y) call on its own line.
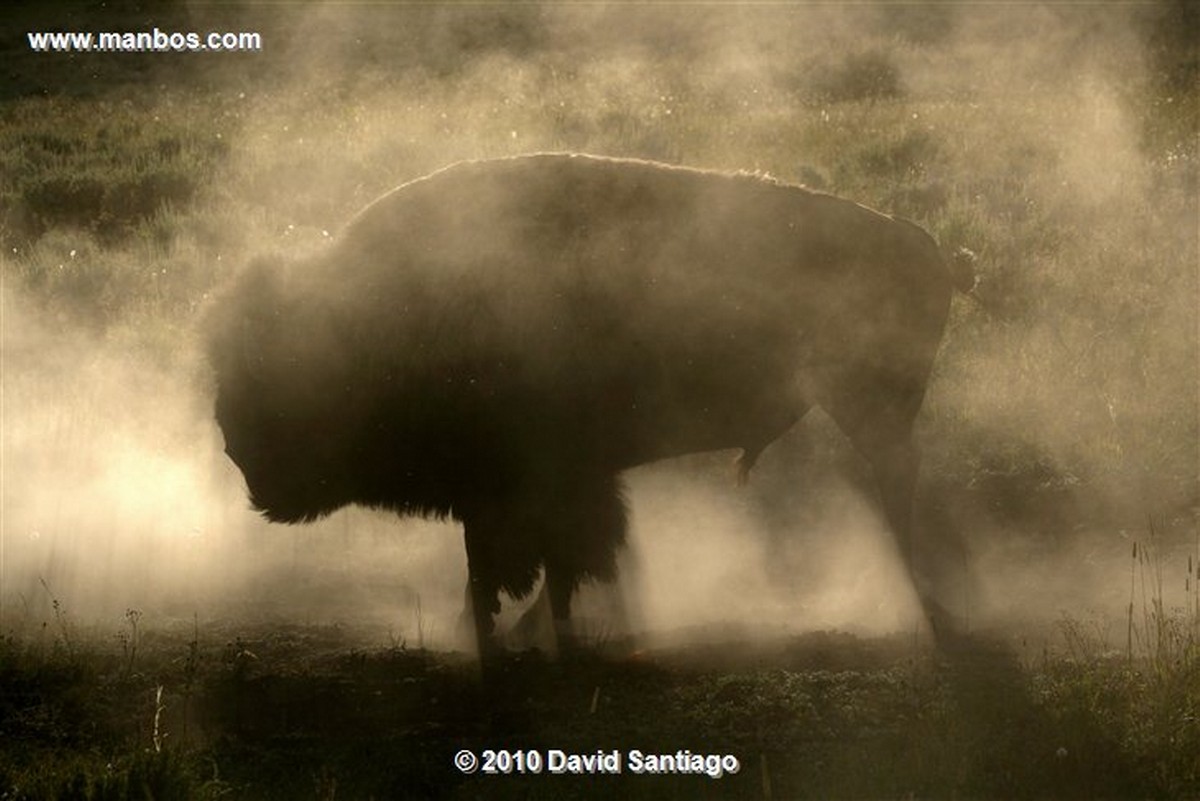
point(496, 342)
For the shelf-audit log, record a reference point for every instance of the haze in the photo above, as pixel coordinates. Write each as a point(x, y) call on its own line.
point(1061, 422)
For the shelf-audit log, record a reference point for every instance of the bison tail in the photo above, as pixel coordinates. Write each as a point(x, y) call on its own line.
point(962, 269)
point(959, 265)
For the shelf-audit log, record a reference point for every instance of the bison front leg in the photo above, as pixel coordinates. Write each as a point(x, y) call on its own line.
point(588, 530)
point(483, 588)
point(531, 630)
point(560, 586)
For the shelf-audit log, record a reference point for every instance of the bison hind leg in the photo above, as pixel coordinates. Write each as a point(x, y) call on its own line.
point(879, 421)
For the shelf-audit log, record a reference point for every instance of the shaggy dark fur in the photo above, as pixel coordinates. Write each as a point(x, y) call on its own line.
point(496, 342)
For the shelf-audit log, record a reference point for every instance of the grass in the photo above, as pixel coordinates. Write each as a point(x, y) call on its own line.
point(1063, 401)
point(286, 713)
point(242, 711)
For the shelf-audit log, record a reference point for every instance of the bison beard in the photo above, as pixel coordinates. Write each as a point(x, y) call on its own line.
point(496, 342)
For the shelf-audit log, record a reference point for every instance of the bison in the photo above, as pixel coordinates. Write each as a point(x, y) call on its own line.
point(496, 342)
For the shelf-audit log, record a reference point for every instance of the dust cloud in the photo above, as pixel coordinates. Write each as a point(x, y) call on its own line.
point(1062, 415)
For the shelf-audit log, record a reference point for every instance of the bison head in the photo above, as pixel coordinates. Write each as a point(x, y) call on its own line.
point(278, 395)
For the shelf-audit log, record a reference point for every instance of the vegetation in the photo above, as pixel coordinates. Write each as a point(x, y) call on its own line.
point(1058, 144)
point(298, 712)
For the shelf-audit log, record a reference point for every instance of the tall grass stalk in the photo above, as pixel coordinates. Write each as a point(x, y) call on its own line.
point(1167, 638)
point(60, 619)
point(1132, 583)
point(159, 707)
